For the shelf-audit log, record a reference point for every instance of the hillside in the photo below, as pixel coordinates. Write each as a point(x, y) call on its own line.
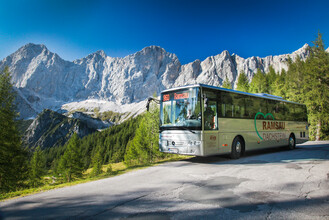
point(50, 129)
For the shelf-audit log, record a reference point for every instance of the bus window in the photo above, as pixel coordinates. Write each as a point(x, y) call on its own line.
point(290, 116)
point(284, 111)
point(263, 106)
point(222, 111)
point(273, 108)
point(167, 113)
point(210, 116)
point(226, 105)
point(281, 111)
point(239, 106)
point(255, 107)
point(300, 112)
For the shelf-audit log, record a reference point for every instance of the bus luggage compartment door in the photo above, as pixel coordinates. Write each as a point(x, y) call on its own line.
point(211, 143)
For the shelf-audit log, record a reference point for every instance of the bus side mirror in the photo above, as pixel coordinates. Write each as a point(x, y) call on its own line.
point(148, 103)
point(149, 100)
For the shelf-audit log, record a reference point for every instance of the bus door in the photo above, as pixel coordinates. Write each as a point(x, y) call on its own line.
point(210, 126)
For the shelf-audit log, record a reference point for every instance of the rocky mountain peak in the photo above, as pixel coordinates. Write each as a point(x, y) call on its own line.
point(32, 49)
point(47, 81)
point(98, 55)
point(152, 49)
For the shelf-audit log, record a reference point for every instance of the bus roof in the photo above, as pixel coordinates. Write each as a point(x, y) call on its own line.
point(260, 95)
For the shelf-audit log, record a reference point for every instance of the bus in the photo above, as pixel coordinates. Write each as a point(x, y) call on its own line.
point(203, 120)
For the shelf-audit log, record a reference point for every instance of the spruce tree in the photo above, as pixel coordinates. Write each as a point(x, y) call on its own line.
point(13, 158)
point(70, 164)
point(97, 161)
point(271, 77)
point(243, 82)
point(295, 80)
point(227, 84)
point(37, 167)
point(316, 89)
point(259, 83)
point(144, 147)
point(279, 86)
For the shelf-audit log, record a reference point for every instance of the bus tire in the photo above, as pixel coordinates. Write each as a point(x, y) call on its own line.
point(291, 142)
point(237, 148)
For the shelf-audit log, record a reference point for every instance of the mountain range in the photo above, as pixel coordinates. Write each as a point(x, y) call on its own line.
point(44, 80)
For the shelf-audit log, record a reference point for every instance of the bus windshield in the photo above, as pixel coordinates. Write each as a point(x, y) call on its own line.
point(181, 109)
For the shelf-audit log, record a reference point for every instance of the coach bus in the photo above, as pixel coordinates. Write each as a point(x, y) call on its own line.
point(204, 120)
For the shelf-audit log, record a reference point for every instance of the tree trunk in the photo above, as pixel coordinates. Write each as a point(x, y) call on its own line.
point(318, 130)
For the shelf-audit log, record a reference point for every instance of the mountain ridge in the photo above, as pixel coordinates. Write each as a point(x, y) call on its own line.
point(45, 80)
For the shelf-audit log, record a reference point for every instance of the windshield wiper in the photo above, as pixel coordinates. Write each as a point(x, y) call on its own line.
point(185, 128)
point(176, 128)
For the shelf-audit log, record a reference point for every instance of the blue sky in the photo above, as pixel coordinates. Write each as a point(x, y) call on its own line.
point(190, 29)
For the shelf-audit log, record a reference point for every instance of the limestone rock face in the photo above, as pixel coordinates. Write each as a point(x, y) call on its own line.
point(44, 80)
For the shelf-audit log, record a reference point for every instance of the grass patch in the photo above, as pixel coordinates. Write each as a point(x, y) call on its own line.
point(117, 169)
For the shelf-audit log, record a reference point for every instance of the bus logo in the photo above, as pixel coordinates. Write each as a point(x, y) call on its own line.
point(269, 125)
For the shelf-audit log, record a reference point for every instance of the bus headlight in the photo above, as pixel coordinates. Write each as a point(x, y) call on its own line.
point(193, 143)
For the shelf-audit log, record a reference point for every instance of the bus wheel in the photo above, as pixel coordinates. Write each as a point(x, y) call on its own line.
point(237, 147)
point(292, 142)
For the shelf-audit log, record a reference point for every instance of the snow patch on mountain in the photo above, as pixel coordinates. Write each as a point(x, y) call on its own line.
point(90, 105)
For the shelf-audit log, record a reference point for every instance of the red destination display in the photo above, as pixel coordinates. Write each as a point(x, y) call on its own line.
point(166, 97)
point(181, 95)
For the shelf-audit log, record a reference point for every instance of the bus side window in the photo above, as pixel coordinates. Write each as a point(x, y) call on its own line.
point(272, 108)
point(300, 113)
point(223, 110)
point(239, 105)
point(210, 116)
point(249, 101)
point(257, 107)
point(290, 116)
point(280, 113)
point(226, 105)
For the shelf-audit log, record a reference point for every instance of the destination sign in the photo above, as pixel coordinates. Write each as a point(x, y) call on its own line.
point(167, 97)
point(184, 95)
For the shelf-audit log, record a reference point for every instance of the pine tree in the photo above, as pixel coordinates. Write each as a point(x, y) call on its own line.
point(144, 147)
point(271, 77)
point(243, 82)
point(13, 158)
point(37, 167)
point(259, 83)
point(316, 89)
point(97, 161)
point(295, 80)
point(70, 164)
point(227, 84)
point(279, 86)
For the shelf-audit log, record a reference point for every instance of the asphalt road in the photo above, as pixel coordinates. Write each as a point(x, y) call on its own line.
point(271, 184)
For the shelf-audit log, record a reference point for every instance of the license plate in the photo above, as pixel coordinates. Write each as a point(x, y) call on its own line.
point(173, 150)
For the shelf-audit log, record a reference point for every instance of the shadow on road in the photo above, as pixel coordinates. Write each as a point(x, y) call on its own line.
point(311, 151)
point(89, 208)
